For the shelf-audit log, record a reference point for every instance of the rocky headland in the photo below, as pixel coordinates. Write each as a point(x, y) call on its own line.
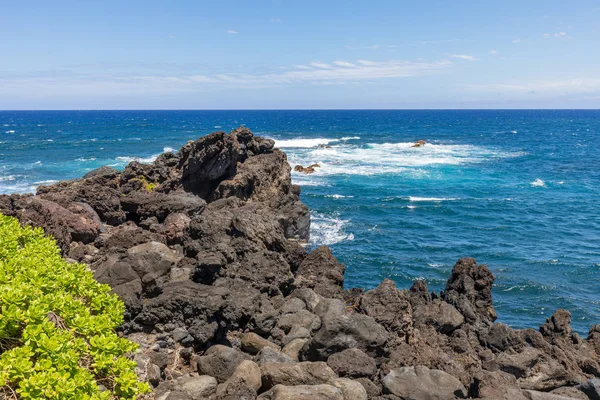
point(204, 247)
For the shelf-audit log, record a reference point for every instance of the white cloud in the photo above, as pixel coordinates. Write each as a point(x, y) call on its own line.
point(317, 64)
point(494, 52)
point(343, 64)
point(466, 57)
point(232, 32)
point(556, 35)
point(542, 88)
point(275, 20)
point(315, 73)
point(516, 40)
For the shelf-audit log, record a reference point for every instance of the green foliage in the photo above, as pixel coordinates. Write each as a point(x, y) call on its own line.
point(149, 186)
point(57, 338)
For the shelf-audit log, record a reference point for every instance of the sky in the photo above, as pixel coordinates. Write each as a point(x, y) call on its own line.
point(289, 54)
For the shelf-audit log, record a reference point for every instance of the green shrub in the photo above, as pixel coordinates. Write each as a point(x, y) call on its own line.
point(57, 337)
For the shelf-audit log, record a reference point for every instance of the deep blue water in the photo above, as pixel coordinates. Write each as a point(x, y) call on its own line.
point(517, 190)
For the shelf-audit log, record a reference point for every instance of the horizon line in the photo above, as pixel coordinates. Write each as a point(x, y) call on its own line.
point(298, 109)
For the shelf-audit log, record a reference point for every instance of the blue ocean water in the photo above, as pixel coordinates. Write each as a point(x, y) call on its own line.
point(517, 190)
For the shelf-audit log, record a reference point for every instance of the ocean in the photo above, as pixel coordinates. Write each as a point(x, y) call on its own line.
point(517, 190)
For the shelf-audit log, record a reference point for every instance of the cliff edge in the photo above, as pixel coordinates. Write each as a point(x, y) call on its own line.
point(204, 246)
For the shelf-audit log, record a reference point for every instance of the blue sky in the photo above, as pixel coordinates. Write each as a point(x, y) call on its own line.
point(299, 54)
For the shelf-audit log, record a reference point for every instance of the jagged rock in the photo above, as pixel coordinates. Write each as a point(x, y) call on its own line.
point(496, 385)
point(352, 363)
point(342, 330)
point(141, 205)
point(303, 318)
point(558, 325)
point(500, 337)
point(388, 306)
point(303, 392)
point(423, 383)
point(442, 316)
point(79, 223)
point(321, 272)
point(306, 170)
point(469, 289)
point(419, 143)
point(304, 373)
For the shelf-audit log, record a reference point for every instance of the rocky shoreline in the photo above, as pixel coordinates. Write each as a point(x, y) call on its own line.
point(204, 248)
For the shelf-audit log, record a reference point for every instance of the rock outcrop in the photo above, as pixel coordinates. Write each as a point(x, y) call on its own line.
point(203, 246)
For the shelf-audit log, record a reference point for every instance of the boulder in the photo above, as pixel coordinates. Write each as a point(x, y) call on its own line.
point(253, 343)
point(351, 390)
point(353, 363)
point(293, 348)
point(321, 272)
point(342, 330)
point(220, 362)
point(270, 355)
point(303, 392)
point(591, 388)
point(303, 373)
point(422, 383)
point(243, 383)
point(388, 306)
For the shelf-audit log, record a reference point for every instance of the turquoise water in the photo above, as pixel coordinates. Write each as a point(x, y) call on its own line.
point(517, 190)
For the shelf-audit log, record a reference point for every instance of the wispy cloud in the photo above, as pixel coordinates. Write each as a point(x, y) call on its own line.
point(546, 87)
point(275, 20)
point(317, 64)
point(466, 57)
point(313, 73)
point(494, 52)
point(516, 41)
point(556, 35)
point(232, 32)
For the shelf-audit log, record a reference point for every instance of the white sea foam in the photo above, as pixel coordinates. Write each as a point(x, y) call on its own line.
point(37, 163)
point(46, 182)
point(326, 230)
point(11, 131)
point(83, 159)
point(7, 178)
point(338, 196)
point(308, 143)
point(303, 143)
point(435, 199)
point(347, 158)
point(538, 183)
point(168, 150)
point(143, 160)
